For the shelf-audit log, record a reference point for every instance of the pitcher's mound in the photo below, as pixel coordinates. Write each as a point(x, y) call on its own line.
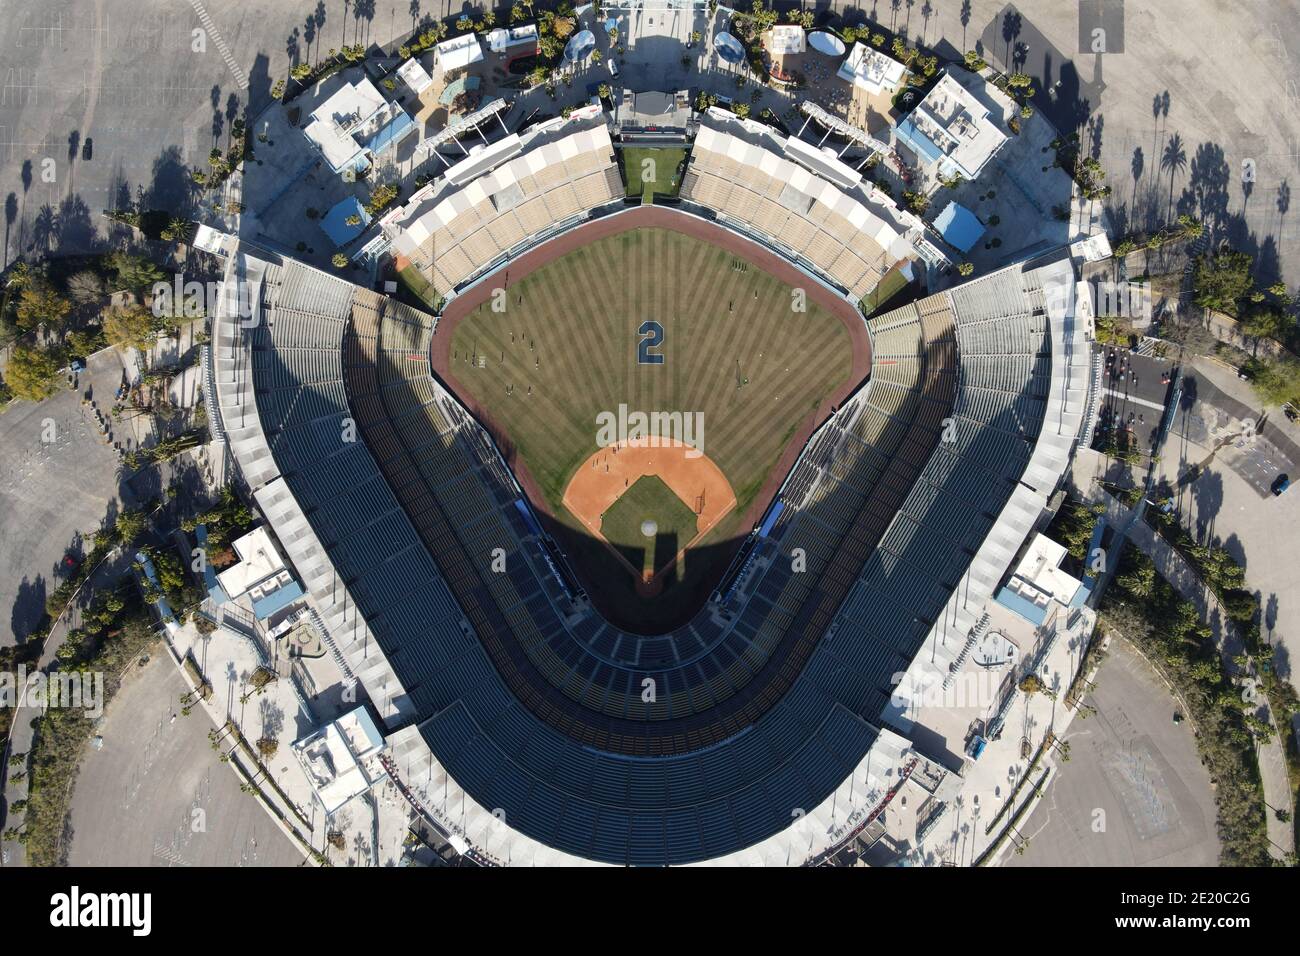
point(649, 528)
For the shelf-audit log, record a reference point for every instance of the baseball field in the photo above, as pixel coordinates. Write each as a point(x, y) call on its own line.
point(650, 388)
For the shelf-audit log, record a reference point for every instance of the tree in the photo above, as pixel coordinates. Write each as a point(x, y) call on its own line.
point(1140, 582)
point(33, 373)
point(965, 268)
point(340, 260)
point(129, 525)
point(1266, 323)
point(178, 230)
point(134, 327)
point(86, 341)
point(381, 198)
point(1220, 281)
point(918, 202)
point(741, 109)
point(85, 287)
point(133, 272)
point(40, 306)
point(1277, 381)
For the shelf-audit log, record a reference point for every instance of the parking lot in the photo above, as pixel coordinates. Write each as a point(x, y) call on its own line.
point(155, 794)
point(105, 103)
point(58, 484)
point(1228, 500)
point(1134, 792)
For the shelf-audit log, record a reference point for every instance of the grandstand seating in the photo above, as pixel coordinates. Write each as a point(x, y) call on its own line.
point(769, 697)
point(813, 222)
point(460, 232)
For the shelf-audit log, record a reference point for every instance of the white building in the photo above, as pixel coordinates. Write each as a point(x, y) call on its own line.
point(261, 574)
point(355, 122)
point(952, 129)
point(513, 41)
point(873, 71)
point(415, 76)
point(340, 758)
point(458, 53)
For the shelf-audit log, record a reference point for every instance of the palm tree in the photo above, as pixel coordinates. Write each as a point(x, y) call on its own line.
point(1173, 160)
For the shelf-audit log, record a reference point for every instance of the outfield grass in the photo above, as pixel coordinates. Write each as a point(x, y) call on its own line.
point(666, 161)
point(648, 498)
point(569, 331)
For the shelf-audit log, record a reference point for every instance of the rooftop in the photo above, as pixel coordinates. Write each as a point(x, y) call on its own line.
point(953, 127)
point(336, 122)
point(458, 52)
point(337, 758)
point(414, 75)
point(502, 38)
point(959, 227)
point(872, 70)
point(258, 560)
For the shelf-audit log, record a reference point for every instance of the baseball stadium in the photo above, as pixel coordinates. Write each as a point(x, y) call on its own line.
point(641, 538)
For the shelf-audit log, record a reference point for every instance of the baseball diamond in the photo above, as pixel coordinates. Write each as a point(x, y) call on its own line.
point(750, 360)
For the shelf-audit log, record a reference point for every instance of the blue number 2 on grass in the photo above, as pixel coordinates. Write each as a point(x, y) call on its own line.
point(653, 336)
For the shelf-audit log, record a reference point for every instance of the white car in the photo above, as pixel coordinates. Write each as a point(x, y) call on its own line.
point(613, 68)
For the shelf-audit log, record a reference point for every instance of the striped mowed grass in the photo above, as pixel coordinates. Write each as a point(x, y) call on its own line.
point(565, 348)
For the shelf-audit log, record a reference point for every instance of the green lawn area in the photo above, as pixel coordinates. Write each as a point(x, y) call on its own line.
point(878, 299)
point(420, 291)
point(664, 163)
point(567, 350)
point(649, 499)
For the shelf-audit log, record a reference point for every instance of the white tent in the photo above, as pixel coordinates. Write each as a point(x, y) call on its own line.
point(458, 52)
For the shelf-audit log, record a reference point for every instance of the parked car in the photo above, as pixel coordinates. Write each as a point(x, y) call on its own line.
point(613, 68)
point(1280, 484)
